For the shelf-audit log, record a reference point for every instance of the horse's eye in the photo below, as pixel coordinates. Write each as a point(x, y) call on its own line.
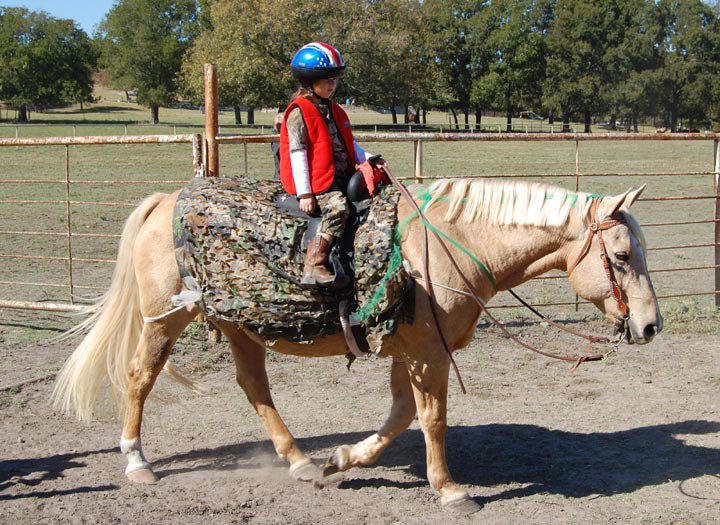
point(621, 256)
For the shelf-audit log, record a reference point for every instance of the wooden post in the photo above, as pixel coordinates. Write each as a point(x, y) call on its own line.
point(68, 224)
point(577, 188)
point(245, 156)
point(197, 153)
point(212, 163)
point(419, 161)
point(716, 159)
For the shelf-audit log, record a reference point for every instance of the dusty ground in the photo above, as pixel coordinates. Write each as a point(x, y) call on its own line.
point(635, 439)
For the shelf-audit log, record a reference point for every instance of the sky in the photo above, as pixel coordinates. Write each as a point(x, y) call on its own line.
point(87, 13)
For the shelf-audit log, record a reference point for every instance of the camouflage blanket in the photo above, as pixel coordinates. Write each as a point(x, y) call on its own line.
point(245, 256)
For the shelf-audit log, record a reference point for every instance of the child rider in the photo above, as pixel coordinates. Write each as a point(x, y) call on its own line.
point(318, 153)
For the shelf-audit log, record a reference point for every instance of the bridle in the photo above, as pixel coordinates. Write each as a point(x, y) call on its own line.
point(596, 228)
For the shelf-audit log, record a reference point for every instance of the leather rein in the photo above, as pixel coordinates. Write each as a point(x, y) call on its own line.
point(595, 230)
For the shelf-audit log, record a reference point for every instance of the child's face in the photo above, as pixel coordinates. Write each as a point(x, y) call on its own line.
point(325, 87)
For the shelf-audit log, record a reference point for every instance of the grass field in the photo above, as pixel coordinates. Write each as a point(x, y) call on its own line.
point(174, 162)
point(111, 108)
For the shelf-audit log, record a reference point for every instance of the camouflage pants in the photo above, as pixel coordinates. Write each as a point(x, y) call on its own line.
point(334, 209)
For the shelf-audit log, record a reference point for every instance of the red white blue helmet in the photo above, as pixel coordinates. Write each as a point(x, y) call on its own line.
point(317, 60)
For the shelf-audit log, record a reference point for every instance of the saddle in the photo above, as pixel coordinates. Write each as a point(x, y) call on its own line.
point(241, 242)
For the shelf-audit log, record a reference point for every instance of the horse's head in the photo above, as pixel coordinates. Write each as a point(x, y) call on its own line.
point(606, 265)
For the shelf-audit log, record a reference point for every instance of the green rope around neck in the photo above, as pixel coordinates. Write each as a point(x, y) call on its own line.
point(425, 197)
point(395, 263)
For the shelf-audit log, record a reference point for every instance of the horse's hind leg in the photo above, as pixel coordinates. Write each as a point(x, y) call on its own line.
point(252, 377)
point(367, 451)
point(156, 343)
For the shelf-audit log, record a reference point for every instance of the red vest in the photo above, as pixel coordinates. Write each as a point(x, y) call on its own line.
point(321, 159)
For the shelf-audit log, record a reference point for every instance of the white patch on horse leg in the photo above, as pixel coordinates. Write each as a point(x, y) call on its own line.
point(366, 451)
point(132, 448)
point(341, 458)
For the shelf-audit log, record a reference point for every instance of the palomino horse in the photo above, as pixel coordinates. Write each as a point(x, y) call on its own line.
point(518, 230)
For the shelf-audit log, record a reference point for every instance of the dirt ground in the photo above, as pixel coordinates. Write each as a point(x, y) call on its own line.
point(634, 439)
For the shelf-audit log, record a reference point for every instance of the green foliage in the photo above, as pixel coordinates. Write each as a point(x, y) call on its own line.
point(515, 47)
point(457, 50)
point(45, 61)
point(253, 41)
point(143, 42)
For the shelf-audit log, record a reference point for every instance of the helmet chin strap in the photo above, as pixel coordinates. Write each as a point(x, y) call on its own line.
point(309, 86)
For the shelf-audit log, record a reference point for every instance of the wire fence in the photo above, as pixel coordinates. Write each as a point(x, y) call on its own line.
point(419, 175)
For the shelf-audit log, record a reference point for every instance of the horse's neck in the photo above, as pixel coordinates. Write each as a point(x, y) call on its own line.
point(515, 254)
point(524, 252)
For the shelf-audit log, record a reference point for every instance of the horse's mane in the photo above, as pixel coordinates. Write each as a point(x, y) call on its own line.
point(509, 202)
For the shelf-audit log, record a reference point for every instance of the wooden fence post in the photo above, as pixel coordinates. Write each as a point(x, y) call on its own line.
point(577, 189)
point(68, 226)
point(419, 161)
point(716, 163)
point(197, 152)
point(212, 163)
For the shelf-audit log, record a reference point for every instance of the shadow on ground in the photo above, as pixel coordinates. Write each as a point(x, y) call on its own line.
point(544, 461)
point(33, 472)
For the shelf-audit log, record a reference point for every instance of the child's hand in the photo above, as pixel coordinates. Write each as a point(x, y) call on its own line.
point(308, 204)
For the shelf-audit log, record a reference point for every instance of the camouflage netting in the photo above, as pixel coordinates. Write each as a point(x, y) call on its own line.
point(246, 256)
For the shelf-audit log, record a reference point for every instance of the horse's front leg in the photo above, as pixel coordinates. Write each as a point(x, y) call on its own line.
point(252, 377)
point(367, 451)
point(429, 381)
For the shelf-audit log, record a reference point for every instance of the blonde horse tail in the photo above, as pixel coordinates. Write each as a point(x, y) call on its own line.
point(101, 362)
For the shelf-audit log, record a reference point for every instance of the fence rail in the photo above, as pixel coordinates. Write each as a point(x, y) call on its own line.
point(200, 165)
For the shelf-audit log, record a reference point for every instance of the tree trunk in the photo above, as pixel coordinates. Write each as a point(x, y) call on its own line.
point(238, 115)
point(466, 112)
point(406, 117)
point(508, 110)
point(393, 111)
point(424, 116)
point(635, 123)
point(454, 114)
point(627, 124)
point(588, 122)
point(127, 96)
point(155, 114)
point(566, 122)
point(478, 118)
point(613, 127)
point(674, 114)
point(551, 118)
point(251, 116)
point(22, 113)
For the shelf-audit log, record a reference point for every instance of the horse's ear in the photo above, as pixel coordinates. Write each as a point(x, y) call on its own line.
point(631, 197)
point(609, 205)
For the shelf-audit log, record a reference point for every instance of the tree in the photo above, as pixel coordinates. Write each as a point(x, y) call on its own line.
point(690, 52)
point(143, 42)
point(577, 74)
point(515, 50)
point(455, 49)
point(386, 55)
point(253, 42)
point(46, 61)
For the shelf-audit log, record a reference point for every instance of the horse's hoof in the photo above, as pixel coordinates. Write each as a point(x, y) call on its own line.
point(329, 468)
point(144, 475)
point(338, 462)
point(463, 506)
point(305, 471)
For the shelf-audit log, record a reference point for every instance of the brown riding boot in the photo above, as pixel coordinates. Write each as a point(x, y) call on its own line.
point(316, 272)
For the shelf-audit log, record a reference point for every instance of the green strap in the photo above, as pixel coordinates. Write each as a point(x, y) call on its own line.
point(425, 200)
